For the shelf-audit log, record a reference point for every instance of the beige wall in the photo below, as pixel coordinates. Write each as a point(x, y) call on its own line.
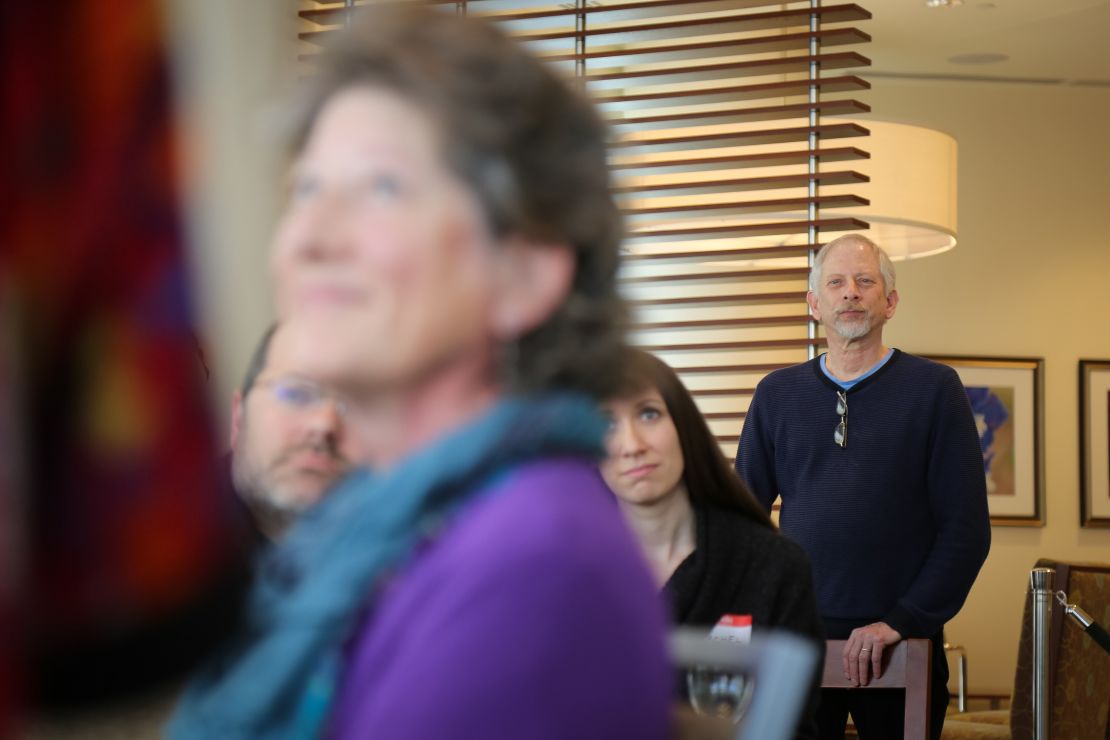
point(234, 63)
point(1030, 277)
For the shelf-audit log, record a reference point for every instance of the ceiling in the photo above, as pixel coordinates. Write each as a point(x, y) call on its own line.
point(1042, 41)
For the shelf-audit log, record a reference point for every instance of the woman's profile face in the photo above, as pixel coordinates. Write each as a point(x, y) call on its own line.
point(382, 251)
point(644, 463)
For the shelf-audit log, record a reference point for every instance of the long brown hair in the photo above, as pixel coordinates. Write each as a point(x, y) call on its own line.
point(707, 474)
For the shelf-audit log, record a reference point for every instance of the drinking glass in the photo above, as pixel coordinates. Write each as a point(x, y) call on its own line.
point(719, 694)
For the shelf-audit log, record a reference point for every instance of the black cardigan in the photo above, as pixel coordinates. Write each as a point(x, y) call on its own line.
point(741, 567)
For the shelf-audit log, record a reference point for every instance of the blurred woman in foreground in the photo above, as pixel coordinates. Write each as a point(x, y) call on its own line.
point(711, 545)
point(447, 263)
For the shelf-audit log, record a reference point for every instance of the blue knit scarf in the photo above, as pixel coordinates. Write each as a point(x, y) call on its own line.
point(278, 677)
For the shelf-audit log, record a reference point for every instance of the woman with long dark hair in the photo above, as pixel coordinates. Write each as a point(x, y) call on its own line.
point(711, 546)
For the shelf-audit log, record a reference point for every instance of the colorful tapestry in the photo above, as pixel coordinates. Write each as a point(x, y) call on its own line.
point(127, 532)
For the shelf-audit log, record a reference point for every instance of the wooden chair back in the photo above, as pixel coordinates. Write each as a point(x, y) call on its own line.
point(908, 665)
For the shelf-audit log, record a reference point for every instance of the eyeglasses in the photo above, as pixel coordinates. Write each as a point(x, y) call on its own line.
point(298, 393)
point(840, 434)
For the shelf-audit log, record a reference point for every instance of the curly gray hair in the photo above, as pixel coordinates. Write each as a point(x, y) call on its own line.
point(531, 147)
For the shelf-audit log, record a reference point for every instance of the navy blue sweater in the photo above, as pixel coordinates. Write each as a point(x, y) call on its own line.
point(895, 523)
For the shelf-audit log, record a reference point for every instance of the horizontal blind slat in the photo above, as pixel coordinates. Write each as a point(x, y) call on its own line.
point(780, 227)
point(734, 90)
point(782, 296)
point(734, 157)
point(770, 182)
point(335, 15)
point(758, 44)
point(691, 203)
point(795, 320)
point(737, 345)
point(725, 132)
point(780, 65)
point(754, 113)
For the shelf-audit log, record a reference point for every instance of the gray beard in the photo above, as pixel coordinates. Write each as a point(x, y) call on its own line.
point(271, 518)
point(852, 330)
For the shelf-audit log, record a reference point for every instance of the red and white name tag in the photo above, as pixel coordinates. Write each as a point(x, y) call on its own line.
point(733, 628)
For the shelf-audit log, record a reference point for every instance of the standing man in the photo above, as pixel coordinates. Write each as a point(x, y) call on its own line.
point(875, 456)
point(288, 437)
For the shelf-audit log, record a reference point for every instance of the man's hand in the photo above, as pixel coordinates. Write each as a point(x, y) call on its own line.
point(863, 653)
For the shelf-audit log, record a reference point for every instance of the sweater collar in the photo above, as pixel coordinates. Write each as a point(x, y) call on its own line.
point(815, 366)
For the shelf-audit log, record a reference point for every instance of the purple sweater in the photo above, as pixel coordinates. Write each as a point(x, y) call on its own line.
point(531, 616)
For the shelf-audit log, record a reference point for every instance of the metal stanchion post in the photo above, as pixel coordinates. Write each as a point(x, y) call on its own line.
point(961, 674)
point(1041, 582)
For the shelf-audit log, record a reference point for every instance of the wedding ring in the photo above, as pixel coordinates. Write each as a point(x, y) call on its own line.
point(865, 650)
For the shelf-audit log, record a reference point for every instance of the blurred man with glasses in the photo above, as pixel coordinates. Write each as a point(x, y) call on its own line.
point(875, 456)
point(288, 439)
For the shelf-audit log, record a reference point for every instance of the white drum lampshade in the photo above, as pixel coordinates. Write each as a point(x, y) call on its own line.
point(912, 190)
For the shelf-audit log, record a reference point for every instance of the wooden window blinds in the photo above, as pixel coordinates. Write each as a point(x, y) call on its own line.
point(727, 158)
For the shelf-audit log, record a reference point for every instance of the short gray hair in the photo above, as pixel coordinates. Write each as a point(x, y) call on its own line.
point(886, 266)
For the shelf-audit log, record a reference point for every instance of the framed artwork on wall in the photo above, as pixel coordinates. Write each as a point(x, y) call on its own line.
point(1094, 443)
point(1006, 397)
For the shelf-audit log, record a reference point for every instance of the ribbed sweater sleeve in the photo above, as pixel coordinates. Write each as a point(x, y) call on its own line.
point(896, 522)
point(956, 486)
point(755, 455)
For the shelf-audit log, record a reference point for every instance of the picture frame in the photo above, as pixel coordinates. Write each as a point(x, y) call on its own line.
point(1006, 395)
point(1094, 443)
